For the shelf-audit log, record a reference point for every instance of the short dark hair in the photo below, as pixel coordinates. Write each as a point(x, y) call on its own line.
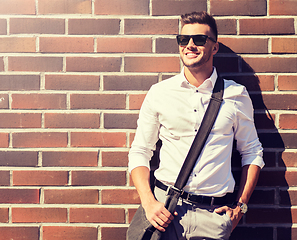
point(201, 18)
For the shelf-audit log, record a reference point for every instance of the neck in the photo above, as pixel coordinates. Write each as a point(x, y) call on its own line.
point(196, 77)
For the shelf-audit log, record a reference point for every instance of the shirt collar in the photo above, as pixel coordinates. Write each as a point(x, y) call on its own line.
point(212, 80)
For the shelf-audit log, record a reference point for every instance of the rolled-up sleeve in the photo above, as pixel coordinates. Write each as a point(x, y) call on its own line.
point(248, 143)
point(147, 134)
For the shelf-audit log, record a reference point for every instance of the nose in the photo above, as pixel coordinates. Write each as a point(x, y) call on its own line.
point(191, 43)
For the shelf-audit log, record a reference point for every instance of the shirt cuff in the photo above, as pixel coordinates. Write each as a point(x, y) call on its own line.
point(258, 161)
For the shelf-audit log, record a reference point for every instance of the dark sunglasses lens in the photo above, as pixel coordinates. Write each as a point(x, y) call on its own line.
point(183, 40)
point(199, 40)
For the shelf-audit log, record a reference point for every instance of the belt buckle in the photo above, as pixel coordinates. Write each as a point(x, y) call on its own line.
point(174, 189)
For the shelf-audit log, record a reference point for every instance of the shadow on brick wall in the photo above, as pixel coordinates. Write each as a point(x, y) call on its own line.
point(270, 204)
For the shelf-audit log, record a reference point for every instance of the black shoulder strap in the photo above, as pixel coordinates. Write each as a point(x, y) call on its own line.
point(202, 134)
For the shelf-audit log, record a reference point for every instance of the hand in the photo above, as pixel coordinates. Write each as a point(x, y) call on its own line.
point(158, 215)
point(234, 214)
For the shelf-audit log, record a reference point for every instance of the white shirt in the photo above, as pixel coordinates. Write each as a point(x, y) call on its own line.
point(173, 110)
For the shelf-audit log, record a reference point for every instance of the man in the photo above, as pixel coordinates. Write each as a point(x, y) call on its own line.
point(172, 111)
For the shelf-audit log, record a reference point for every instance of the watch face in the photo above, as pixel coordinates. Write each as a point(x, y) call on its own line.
point(243, 207)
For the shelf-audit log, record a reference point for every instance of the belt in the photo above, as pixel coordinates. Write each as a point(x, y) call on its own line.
point(196, 199)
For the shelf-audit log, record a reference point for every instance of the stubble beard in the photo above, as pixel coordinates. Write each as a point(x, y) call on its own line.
point(205, 59)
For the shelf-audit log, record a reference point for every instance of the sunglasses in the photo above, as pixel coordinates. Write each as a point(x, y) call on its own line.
point(199, 39)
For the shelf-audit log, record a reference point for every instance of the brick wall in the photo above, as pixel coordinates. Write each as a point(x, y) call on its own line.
point(73, 75)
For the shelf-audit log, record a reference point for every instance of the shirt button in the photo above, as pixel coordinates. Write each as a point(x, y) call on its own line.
point(195, 110)
point(196, 130)
point(195, 175)
point(196, 90)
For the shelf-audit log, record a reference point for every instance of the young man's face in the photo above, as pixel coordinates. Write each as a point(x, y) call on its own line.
point(194, 56)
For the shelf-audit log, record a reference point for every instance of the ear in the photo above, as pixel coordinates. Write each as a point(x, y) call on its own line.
point(215, 48)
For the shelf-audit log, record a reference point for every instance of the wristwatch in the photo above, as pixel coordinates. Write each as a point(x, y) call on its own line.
point(243, 206)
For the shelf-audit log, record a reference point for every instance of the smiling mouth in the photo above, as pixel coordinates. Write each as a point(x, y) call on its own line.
point(192, 54)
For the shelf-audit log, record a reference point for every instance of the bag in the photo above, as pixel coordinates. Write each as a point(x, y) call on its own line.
point(140, 228)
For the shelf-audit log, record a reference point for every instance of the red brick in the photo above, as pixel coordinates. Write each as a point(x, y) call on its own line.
point(124, 83)
point(98, 139)
point(4, 99)
point(280, 101)
point(18, 44)
point(72, 82)
point(20, 120)
point(152, 64)
point(166, 45)
point(131, 213)
point(286, 233)
point(277, 178)
point(288, 121)
point(98, 101)
point(98, 178)
point(120, 121)
point(65, 7)
point(118, 233)
point(264, 121)
point(93, 64)
point(135, 101)
point(254, 82)
point(131, 138)
point(94, 26)
point(238, 7)
point(37, 25)
point(97, 215)
point(4, 179)
point(19, 233)
point(17, 7)
point(270, 215)
point(282, 7)
point(19, 82)
point(120, 44)
point(287, 83)
point(4, 215)
point(226, 64)
point(66, 44)
point(122, 7)
point(169, 7)
point(267, 26)
point(271, 64)
point(35, 64)
point(288, 197)
point(288, 159)
point(227, 26)
point(151, 26)
point(120, 196)
point(4, 140)
point(244, 45)
point(70, 159)
point(114, 159)
point(3, 27)
point(1, 64)
point(37, 178)
point(69, 233)
point(71, 120)
point(18, 158)
point(19, 196)
point(284, 45)
point(71, 196)
point(43, 215)
point(38, 101)
point(39, 139)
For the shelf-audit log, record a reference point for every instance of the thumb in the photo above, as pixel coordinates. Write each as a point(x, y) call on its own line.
point(221, 209)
